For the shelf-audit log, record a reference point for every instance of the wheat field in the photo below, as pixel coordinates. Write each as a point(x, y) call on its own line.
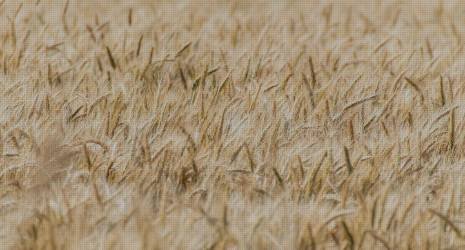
point(232, 124)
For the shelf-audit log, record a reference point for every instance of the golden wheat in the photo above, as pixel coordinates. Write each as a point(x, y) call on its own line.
point(232, 124)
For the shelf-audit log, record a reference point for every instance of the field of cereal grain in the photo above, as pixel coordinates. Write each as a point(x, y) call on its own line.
point(232, 124)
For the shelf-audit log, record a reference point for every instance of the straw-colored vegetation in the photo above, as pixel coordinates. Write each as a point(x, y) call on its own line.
point(232, 125)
